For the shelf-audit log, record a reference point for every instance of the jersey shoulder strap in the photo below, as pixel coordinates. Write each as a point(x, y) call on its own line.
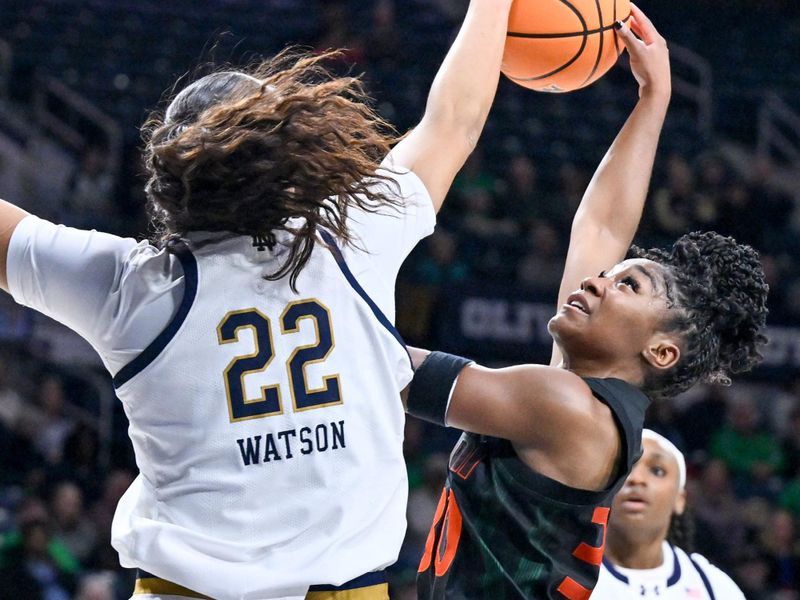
point(628, 404)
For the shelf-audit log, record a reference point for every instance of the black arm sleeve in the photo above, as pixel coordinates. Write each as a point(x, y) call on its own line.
point(429, 391)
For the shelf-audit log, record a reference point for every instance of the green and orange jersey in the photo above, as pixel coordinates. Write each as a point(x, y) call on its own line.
point(502, 530)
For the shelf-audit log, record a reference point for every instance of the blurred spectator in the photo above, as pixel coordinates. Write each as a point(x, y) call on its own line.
point(521, 198)
point(441, 264)
point(115, 485)
point(480, 218)
point(12, 406)
point(81, 461)
point(720, 530)
point(90, 202)
point(738, 212)
point(673, 204)
point(70, 524)
point(33, 565)
point(561, 203)
point(473, 176)
point(540, 269)
point(337, 32)
point(51, 425)
point(752, 575)
point(662, 418)
point(383, 41)
point(97, 586)
point(779, 540)
point(791, 444)
point(712, 180)
point(701, 418)
point(753, 455)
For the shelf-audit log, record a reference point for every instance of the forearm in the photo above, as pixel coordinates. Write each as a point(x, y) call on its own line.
point(464, 88)
point(613, 203)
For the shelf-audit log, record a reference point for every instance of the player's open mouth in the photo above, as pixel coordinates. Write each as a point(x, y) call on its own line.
point(578, 302)
point(634, 503)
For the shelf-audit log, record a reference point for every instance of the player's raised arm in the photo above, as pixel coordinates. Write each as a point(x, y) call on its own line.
point(459, 100)
point(10, 216)
point(609, 213)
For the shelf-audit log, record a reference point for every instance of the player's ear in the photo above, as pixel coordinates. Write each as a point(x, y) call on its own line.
point(680, 503)
point(662, 352)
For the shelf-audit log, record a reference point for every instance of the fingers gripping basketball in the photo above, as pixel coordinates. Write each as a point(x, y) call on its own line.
point(562, 45)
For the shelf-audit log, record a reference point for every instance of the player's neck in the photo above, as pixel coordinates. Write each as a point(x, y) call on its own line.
point(634, 553)
point(602, 368)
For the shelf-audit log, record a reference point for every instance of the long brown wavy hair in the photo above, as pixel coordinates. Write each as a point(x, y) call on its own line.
point(245, 151)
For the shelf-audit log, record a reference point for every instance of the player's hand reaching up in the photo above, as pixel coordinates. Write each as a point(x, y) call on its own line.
point(649, 55)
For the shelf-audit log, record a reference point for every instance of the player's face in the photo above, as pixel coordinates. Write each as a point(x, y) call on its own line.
point(614, 315)
point(651, 494)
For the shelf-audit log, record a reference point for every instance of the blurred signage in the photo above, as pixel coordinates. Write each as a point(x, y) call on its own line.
point(503, 325)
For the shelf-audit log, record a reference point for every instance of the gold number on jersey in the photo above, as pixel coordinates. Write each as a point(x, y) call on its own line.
point(269, 403)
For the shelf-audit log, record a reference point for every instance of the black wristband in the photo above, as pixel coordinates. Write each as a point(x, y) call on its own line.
point(429, 391)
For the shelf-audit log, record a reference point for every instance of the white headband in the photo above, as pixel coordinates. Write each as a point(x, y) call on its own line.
point(667, 446)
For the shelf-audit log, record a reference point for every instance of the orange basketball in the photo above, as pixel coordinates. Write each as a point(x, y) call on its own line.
point(562, 45)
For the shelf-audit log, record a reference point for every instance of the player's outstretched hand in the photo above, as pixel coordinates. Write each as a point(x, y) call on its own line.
point(648, 52)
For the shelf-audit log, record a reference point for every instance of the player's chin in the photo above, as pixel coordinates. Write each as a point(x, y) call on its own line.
point(566, 326)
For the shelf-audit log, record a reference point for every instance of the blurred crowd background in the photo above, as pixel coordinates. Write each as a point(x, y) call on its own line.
point(77, 79)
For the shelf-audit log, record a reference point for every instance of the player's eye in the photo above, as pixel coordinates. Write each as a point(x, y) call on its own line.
point(658, 471)
point(602, 274)
point(631, 283)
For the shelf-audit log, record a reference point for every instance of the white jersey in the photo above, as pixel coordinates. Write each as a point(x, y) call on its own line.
point(680, 577)
point(267, 424)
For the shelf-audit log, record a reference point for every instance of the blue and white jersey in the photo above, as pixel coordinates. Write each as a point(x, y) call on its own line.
point(267, 423)
point(680, 577)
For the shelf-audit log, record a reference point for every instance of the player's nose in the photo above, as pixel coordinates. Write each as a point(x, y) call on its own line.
point(592, 285)
point(637, 477)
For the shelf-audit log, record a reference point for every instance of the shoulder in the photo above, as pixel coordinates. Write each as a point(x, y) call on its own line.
point(402, 182)
point(721, 584)
point(572, 436)
point(610, 586)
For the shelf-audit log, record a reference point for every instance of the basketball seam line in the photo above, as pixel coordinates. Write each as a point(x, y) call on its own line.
point(600, 45)
point(585, 37)
point(562, 35)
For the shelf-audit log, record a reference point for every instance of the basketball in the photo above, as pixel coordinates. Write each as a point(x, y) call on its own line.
point(562, 45)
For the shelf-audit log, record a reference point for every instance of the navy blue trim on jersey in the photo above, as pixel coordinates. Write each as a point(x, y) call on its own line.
point(611, 569)
point(704, 577)
point(366, 580)
point(672, 580)
point(348, 274)
point(149, 354)
point(676, 568)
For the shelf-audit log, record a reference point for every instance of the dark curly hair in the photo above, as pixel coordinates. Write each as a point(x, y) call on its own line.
point(246, 151)
point(717, 295)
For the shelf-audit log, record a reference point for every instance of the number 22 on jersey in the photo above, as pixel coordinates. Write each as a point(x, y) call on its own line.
point(270, 401)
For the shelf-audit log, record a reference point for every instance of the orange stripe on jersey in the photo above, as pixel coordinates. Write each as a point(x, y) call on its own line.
point(451, 534)
point(572, 590)
point(427, 554)
point(590, 554)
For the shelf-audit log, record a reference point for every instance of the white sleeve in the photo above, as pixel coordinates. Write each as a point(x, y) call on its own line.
point(390, 234)
point(722, 585)
point(68, 274)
